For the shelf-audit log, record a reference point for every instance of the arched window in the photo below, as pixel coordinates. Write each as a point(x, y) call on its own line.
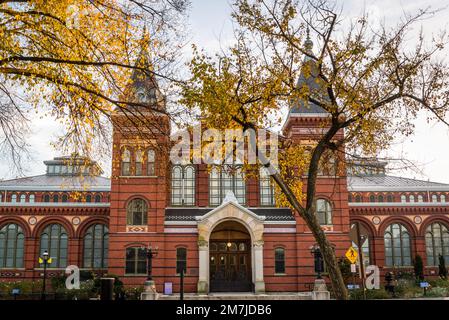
point(54, 239)
point(55, 198)
point(403, 198)
point(151, 158)
point(31, 198)
point(420, 198)
point(397, 246)
point(47, 198)
point(11, 246)
point(266, 186)
point(380, 198)
point(137, 212)
point(372, 198)
point(14, 198)
point(443, 198)
point(88, 198)
point(23, 198)
point(181, 260)
point(96, 242)
point(279, 260)
point(434, 198)
point(358, 198)
point(1, 197)
point(64, 197)
point(98, 198)
point(390, 198)
point(222, 180)
point(437, 243)
point(324, 212)
point(126, 162)
point(183, 185)
point(349, 197)
point(139, 162)
point(411, 198)
point(136, 261)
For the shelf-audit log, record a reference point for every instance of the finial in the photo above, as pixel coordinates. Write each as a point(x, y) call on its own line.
point(308, 44)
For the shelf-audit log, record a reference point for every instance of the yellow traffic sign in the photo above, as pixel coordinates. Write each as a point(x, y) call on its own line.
point(352, 254)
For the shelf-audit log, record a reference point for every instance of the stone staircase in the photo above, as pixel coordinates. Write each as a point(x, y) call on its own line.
point(241, 296)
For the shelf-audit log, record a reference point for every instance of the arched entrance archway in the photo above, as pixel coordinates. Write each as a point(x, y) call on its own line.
point(230, 258)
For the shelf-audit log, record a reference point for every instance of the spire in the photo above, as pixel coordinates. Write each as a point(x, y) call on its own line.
point(143, 85)
point(308, 44)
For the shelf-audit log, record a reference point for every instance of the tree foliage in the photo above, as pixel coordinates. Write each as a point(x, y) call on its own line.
point(72, 60)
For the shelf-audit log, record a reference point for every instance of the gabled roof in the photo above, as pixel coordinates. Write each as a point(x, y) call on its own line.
point(57, 183)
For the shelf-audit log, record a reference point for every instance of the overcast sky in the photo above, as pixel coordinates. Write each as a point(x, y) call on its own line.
point(210, 25)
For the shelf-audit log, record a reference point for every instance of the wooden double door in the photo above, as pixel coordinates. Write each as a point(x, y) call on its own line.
point(230, 266)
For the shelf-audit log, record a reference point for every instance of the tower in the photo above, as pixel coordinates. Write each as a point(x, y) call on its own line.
point(141, 134)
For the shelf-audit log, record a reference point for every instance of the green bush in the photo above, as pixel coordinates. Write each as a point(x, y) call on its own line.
point(418, 268)
point(437, 292)
point(25, 286)
point(370, 294)
point(443, 283)
point(133, 293)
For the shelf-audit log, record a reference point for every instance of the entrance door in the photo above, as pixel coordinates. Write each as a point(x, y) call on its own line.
point(230, 266)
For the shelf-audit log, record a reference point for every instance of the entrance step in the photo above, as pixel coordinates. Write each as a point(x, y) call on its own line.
point(242, 296)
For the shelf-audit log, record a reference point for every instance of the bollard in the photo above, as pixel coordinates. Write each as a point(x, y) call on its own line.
point(107, 289)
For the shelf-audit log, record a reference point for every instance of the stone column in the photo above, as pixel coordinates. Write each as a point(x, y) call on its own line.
point(259, 283)
point(203, 274)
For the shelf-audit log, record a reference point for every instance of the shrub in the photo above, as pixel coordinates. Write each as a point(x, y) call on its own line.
point(442, 271)
point(437, 292)
point(370, 294)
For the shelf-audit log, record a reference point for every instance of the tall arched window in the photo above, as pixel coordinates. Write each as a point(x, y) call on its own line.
point(372, 198)
point(47, 198)
point(88, 198)
point(31, 198)
point(98, 198)
point(96, 242)
point(390, 198)
point(11, 246)
point(139, 162)
point(411, 198)
point(55, 198)
point(137, 212)
point(358, 198)
point(420, 198)
point(54, 239)
point(181, 260)
point(14, 198)
point(324, 212)
point(434, 198)
point(397, 246)
point(222, 180)
point(403, 198)
point(23, 198)
point(437, 243)
point(266, 186)
point(380, 198)
point(151, 159)
point(64, 197)
point(279, 260)
point(126, 162)
point(183, 185)
point(443, 198)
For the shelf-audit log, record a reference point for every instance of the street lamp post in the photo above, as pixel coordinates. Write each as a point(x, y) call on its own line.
point(150, 253)
point(318, 261)
point(150, 292)
point(45, 259)
point(320, 291)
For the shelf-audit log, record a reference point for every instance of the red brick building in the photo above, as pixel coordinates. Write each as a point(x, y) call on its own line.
point(224, 229)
